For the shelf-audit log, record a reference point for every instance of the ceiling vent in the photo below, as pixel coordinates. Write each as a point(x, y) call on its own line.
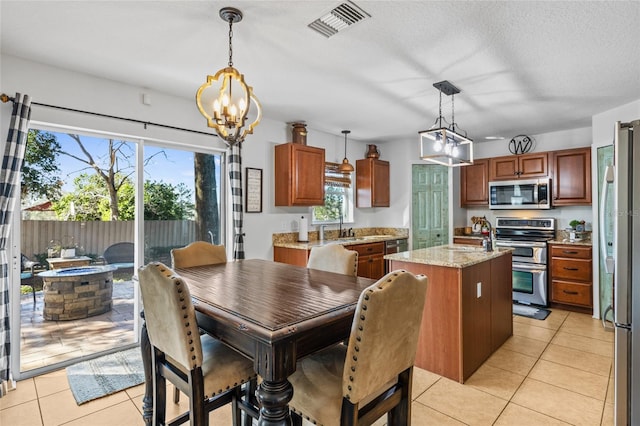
point(339, 18)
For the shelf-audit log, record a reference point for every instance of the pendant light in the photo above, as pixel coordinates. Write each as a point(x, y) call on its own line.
point(227, 106)
point(443, 144)
point(345, 167)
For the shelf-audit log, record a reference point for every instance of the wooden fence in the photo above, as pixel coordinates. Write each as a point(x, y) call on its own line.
point(94, 237)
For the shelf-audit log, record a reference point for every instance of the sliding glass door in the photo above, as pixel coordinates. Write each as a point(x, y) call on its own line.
point(92, 201)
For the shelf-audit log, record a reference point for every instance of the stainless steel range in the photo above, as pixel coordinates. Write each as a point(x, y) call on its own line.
point(528, 237)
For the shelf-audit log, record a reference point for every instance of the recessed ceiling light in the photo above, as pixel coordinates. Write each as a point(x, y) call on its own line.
point(494, 138)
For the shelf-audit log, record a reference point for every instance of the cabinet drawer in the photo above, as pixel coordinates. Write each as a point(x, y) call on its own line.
point(467, 241)
point(572, 252)
point(571, 269)
point(571, 293)
point(367, 249)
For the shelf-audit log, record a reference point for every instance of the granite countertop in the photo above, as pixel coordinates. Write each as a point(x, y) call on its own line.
point(450, 255)
point(349, 241)
point(572, 243)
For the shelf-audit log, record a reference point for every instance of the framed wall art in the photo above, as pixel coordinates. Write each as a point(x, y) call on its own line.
point(253, 190)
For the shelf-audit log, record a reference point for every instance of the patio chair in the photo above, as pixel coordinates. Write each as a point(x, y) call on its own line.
point(120, 255)
point(359, 382)
point(28, 275)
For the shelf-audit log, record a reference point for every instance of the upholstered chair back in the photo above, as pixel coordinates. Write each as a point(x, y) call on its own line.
point(169, 315)
point(198, 253)
point(384, 334)
point(334, 258)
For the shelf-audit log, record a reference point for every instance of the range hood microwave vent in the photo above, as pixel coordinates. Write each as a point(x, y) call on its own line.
point(339, 18)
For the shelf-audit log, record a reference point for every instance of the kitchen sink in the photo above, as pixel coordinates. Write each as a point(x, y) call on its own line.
point(371, 237)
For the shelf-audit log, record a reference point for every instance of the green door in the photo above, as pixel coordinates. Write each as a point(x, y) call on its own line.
point(430, 205)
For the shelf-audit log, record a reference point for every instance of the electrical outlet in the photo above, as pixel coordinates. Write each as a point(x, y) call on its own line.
point(284, 226)
point(479, 290)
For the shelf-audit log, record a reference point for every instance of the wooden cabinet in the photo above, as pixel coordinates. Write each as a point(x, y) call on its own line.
point(291, 256)
point(519, 166)
point(299, 175)
point(370, 259)
point(467, 315)
point(474, 184)
point(571, 277)
point(571, 177)
point(372, 183)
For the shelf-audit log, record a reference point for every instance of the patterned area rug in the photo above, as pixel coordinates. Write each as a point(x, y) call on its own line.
point(530, 311)
point(105, 375)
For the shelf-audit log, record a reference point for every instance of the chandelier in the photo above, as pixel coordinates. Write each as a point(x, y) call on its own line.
point(227, 104)
point(442, 144)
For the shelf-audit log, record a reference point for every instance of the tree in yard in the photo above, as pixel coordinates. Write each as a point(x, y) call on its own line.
point(40, 171)
point(164, 201)
point(208, 215)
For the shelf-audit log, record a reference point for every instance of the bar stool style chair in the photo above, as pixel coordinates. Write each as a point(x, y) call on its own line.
point(198, 253)
point(209, 372)
point(334, 258)
point(358, 383)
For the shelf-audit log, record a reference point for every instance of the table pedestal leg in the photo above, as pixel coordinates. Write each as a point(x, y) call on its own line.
point(274, 398)
point(147, 400)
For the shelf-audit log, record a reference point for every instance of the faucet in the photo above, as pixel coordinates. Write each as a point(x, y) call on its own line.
point(488, 242)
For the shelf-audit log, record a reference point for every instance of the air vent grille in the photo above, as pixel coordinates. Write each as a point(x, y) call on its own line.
point(339, 18)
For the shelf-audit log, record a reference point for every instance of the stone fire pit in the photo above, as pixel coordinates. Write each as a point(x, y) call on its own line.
point(75, 293)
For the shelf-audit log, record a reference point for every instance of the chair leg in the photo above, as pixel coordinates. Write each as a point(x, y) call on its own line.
point(33, 291)
point(296, 419)
point(400, 415)
point(159, 389)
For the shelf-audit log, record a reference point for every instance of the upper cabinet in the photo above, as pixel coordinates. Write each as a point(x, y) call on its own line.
point(299, 175)
point(571, 177)
point(474, 184)
point(519, 166)
point(372, 183)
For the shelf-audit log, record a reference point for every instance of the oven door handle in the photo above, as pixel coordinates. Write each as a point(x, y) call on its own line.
point(520, 244)
point(530, 267)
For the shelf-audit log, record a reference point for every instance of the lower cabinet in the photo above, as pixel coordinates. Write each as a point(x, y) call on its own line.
point(370, 259)
point(571, 280)
point(298, 257)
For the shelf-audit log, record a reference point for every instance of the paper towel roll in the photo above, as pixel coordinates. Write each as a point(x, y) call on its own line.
point(303, 230)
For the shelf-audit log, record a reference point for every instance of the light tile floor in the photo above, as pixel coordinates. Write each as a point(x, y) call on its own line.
point(552, 372)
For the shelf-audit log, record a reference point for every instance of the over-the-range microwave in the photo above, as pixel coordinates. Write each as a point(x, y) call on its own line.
point(520, 194)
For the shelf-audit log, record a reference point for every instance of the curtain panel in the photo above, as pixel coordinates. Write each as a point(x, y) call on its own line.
point(9, 192)
point(234, 162)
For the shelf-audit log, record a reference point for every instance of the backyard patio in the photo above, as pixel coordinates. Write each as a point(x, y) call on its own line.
point(43, 343)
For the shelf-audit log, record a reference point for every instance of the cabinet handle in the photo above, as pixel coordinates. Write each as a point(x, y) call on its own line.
point(570, 269)
point(370, 260)
point(569, 252)
point(570, 292)
point(370, 249)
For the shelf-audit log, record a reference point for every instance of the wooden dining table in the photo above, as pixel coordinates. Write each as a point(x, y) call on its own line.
point(272, 313)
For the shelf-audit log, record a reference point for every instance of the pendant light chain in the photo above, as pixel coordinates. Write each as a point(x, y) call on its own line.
point(230, 44)
point(453, 116)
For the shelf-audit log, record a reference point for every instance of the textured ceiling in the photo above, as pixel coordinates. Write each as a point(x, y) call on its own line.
point(522, 67)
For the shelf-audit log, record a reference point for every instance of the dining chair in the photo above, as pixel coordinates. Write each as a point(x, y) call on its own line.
point(202, 367)
point(334, 258)
point(198, 253)
point(356, 384)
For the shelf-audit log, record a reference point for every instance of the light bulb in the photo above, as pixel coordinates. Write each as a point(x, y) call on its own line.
point(455, 151)
point(447, 149)
point(225, 100)
point(242, 105)
point(437, 145)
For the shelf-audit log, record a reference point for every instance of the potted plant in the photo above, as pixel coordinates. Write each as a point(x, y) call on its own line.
point(577, 225)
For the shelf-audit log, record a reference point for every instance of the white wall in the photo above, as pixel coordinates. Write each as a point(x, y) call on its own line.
point(55, 86)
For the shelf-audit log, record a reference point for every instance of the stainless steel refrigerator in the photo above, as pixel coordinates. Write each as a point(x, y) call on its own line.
point(624, 263)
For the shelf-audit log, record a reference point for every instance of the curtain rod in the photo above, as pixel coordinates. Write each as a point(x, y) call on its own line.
point(6, 98)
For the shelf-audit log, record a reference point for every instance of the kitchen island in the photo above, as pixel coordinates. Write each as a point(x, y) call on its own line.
point(468, 311)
